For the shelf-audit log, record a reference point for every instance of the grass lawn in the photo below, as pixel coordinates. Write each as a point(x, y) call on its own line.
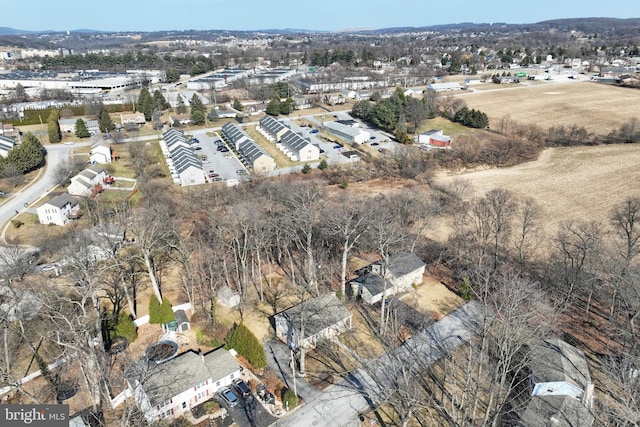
point(31, 232)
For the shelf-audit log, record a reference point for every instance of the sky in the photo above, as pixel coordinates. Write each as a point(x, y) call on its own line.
point(326, 15)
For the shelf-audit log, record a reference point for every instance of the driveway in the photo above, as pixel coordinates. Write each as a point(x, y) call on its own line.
point(340, 405)
point(249, 412)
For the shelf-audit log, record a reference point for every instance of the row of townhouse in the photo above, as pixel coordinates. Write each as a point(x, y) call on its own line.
point(184, 166)
point(290, 143)
point(250, 151)
point(6, 145)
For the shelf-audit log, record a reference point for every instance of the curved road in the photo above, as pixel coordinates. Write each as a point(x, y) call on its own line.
point(38, 188)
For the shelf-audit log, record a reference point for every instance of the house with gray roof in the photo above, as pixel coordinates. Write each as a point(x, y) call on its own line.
point(560, 385)
point(185, 167)
point(168, 390)
point(58, 210)
point(382, 279)
point(303, 325)
point(289, 142)
point(85, 183)
point(249, 150)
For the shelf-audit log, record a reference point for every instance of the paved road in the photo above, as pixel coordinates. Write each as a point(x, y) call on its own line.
point(340, 405)
point(44, 183)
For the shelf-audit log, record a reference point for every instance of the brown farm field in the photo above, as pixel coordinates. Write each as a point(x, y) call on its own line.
point(578, 183)
point(597, 107)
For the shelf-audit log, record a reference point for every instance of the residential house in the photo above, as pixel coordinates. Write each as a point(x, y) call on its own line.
point(58, 210)
point(184, 166)
point(6, 145)
point(249, 150)
point(168, 390)
point(381, 279)
point(132, 119)
point(301, 102)
point(100, 152)
point(297, 148)
point(560, 385)
point(181, 119)
point(348, 133)
point(7, 129)
point(67, 125)
point(88, 182)
point(272, 129)
point(302, 325)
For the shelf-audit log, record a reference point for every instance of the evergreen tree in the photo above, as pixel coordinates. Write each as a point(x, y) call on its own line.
point(237, 104)
point(81, 129)
point(105, 123)
point(286, 107)
point(21, 94)
point(165, 312)
point(160, 101)
point(154, 310)
point(126, 328)
point(323, 164)
point(273, 107)
point(242, 340)
point(29, 155)
point(55, 135)
point(197, 118)
point(196, 104)
point(146, 103)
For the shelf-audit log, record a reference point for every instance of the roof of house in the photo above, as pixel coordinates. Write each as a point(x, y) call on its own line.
point(67, 121)
point(234, 134)
point(295, 142)
point(404, 263)
point(317, 314)
point(184, 371)
point(556, 411)
point(373, 282)
point(350, 154)
point(62, 200)
point(272, 125)
point(347, 130)
point(251, 151)
point(554, 360)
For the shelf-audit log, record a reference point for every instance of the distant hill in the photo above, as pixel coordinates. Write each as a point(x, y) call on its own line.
point(587, 25)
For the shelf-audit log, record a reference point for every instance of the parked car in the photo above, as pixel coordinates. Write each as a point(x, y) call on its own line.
point(314, 131)
point(241, 172)
point(374, 144)
point(214, 175)
point(197, 147)
point(337, 147)
point(372, 137)
point(223, 149)
point(2, 193)
point(241, 387)
point(228, 396)
point(321, 151)
point(216, 179)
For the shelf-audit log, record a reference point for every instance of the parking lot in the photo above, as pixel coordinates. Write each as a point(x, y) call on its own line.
point(223, 164)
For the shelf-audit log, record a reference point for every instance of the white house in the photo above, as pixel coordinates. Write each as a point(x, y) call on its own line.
point(383, 279)
point(87, 181)
point(6, 145)
point(434, 138)
point(168, 390)
point(183, 164)
point(304, 324)
point(132, 119)
point(100, 152)
point(67, 125)
point(58, 210)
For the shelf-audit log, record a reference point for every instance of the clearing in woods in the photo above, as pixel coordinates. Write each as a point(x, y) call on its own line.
point(599, 108)
point(578, 183)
